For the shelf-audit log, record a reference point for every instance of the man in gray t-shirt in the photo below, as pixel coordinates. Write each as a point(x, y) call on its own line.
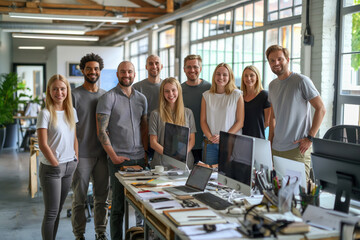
point(192, 90)
point(150, 87)
point(291, 96)
point(122, 130)
point(92, 157)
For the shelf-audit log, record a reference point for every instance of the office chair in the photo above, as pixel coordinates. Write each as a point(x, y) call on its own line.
point(344, 133)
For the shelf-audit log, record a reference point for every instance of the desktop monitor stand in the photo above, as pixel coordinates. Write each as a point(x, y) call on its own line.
point(344, 186)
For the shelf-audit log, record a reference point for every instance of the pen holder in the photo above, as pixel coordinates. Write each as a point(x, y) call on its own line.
point(307, 199)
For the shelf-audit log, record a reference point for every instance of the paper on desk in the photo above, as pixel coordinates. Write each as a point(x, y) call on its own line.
point(166, 205)
point(326, 219)
point(146, 195)
point(254, 200)
point(226, 230)
point(282, 216)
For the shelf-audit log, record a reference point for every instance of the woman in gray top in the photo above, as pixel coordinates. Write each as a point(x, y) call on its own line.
point(171, 109)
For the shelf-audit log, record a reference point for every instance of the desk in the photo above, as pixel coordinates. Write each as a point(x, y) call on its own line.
point(165, 229)
point(19, 128)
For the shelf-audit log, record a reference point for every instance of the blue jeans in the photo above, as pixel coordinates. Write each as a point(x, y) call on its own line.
point(212, 153)
point(118, 198)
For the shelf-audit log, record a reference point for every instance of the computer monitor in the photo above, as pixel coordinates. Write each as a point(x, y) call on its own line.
point(236, 159)
point(176, 139)
point(337, 166)
point(263, 156)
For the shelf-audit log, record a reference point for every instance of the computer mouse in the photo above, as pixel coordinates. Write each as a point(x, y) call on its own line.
point(236, 211)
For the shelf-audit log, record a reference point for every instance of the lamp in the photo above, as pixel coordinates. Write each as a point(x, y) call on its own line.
point(56, 37)
point(69, 17)
point(50, 31)
point(31, 47)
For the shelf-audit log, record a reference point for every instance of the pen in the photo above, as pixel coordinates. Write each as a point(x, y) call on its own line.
point(164, 207)
point(201, 219)
point(202, 216)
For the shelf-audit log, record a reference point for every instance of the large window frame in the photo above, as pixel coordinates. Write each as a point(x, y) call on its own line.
point(166, 52)
point(138, 53)
point(244, 28)
point(347, 94)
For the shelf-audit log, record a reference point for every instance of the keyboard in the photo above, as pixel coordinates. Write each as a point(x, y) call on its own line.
point(186, 189)
point(213, 201)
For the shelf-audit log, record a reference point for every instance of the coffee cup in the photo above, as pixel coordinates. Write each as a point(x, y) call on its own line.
point(159, 169)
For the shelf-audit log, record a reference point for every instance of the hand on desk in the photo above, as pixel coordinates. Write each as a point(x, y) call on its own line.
point(119, 159)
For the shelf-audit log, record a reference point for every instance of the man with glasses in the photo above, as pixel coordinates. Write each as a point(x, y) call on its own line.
point(193, 89)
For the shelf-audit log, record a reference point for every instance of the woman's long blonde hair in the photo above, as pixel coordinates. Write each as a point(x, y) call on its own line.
point(230, 86)
point(67, 104)
point(258, 85)
point(166, 113)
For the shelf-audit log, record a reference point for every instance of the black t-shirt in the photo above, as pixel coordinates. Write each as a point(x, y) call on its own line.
point(254, 115)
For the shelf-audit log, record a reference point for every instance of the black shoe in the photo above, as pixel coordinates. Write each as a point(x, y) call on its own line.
point(101, 236)
point(80, 238)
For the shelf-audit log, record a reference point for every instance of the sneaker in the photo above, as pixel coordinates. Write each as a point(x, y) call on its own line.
point(101, 236)
point(80, 238)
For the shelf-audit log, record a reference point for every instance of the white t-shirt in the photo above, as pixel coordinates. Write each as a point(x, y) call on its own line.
point(60, 137)
point(221, 110)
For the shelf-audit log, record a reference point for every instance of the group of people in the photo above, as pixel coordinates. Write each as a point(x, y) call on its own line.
point(90, 133)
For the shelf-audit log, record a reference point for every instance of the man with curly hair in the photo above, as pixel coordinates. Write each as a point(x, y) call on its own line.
point(92, 157)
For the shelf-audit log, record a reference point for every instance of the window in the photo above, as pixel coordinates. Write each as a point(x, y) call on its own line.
point(167, 52)
point(348, 89)
point(138, 55)
point(239, 36)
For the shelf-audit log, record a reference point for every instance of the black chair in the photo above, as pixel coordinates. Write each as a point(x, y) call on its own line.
point(344, 133)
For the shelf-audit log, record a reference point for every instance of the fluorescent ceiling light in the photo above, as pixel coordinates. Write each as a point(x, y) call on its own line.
point(69, 17)
point(32, 47)
point(56, 37)
point(50, 31)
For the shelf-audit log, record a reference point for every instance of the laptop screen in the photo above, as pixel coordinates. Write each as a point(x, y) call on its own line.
point(176, 139)
point(199, 177)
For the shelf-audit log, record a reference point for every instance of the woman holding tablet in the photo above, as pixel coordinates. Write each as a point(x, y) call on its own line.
point(222, 109)
point(59, 151)
point(171, 109)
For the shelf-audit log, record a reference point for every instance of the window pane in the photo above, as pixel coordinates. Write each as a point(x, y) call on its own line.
point(199, 50)
point(200, 29)
point(143, 45)
point(213, 25)
point(273, 5)
point(259, 14)
point(271, 37)
point(206, 27)
point(350, 77)
point(285, 37)
point(285, 4)
point(295, 65)
point(248, 48)
point(258, 46)
point(172, 62)
point(206, 53)
point(351, 3)
point(351, 32)
point(239, 18)
point(296, 51)
point(213, 57)
point(285, 13)
point(238, 51)
point(167, 38)
point(221, 51)
point(221, 22)
point(273, 16)
point(351, 114)
point(249, 16)
point(228, 22)
point(297, 2)
point(298, 11)
point(238, 68)
point(193, 27)
point(229, 50)
point(193, 49)
point(134, 48)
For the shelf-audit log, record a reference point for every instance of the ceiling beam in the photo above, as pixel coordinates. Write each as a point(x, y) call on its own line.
point(89, 2)
point(169, 6)
point(141, 3)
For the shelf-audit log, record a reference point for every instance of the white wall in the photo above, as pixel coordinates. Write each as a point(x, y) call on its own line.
point(62, 55)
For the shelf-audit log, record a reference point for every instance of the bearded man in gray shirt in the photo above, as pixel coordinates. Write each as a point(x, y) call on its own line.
point(92, 157)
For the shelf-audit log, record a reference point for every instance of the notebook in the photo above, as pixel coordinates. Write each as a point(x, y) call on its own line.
point(195, 183)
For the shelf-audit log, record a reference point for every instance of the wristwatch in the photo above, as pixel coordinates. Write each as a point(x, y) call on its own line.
point(310, 137)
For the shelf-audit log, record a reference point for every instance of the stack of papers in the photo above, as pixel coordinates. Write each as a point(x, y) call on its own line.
point(223, 231)
point(193, 216)
point(148, 194)
point(165, 205)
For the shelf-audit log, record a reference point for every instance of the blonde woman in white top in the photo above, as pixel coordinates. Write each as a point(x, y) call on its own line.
point(222, 109)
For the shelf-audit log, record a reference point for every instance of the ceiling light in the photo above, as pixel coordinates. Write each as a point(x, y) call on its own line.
point(50, 31)
point(69, 17)
point(32, 47)
point(56, 37)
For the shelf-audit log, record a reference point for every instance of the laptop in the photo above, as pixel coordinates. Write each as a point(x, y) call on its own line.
point(195, 183)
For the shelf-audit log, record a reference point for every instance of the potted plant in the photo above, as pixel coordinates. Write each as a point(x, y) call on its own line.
point(9, 101)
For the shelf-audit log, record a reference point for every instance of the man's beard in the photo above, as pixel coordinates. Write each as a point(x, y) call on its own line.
point(91, 81)
point(122, 83)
